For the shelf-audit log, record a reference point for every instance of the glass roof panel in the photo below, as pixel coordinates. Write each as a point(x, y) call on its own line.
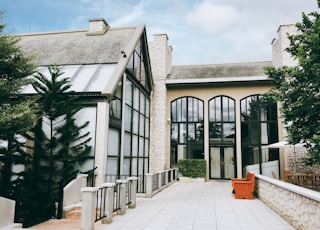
point(83, 78)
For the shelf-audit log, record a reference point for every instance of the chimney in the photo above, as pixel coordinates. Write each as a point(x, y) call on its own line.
point(97, 26)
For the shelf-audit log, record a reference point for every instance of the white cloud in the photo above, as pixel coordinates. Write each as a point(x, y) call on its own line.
point(212, 18)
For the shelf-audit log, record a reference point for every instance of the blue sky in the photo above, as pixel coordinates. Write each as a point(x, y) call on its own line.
point(200, 31)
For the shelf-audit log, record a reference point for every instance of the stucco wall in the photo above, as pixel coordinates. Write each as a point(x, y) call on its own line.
point(205, 93)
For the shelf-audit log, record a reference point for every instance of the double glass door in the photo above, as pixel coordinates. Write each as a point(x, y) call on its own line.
point(222, 162)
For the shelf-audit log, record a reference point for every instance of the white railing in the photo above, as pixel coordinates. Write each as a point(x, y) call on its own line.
point(99, 203)
point(158, 181)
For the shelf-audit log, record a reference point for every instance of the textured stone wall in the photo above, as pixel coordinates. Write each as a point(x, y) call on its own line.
point(298, 206)
point(279, 56)
point(293, 157)
point(160, 55)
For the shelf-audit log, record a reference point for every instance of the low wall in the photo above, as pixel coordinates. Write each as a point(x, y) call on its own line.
point(297, 205)
point(7, 209)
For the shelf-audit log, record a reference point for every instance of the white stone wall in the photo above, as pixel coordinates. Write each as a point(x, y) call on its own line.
point(279, 56)
point(161, 56)
point(293, 157)
point(298, 206)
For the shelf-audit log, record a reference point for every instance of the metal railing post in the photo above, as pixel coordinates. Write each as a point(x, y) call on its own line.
point(88, 208)
point(123, 196)
point(108, 202)
point(133, 192)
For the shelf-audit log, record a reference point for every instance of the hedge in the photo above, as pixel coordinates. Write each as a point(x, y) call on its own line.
point(192, 167)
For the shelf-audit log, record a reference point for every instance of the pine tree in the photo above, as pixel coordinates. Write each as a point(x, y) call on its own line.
point(59, 145)
point(17, 114)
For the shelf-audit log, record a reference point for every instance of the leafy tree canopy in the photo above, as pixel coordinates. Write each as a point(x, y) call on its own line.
point(298, 87)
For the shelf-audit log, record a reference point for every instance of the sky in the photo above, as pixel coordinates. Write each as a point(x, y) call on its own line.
point(199, 31)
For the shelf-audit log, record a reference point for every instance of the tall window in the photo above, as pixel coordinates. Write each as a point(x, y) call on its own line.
point(186, 129)
point(136, 136)
point(259, 127)
point(222, 121)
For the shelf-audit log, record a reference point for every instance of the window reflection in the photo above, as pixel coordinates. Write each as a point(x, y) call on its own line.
point(186, 129)
point(259, 127)
point(222, 121)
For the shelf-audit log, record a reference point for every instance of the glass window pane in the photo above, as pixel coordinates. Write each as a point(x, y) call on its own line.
point(127, 144)
point(218, 108)
point(136, 98)
point(134, 145)
point(174, 132)
point(141, 146)
point(179, 110)
point(126, 166)
point(147, 131)
point(264, 133)
point(184, 109)
point(142, 103)
point(191, 132)
point(212, 114)
point(229, 132)
point(195, 110)
point(112, 166)
point(225, 108)
point(200, 111)
point(128, 119)
point(141, 166)
point(135, 122)
point(113, 142)
point(174, 111)
point(190, 109)
point(129, 92)
point(141, 125)
point(231, 110)
point(182, 133)
point(134, 165)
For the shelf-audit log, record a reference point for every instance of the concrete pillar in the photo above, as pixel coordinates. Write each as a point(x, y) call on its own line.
point(166, 177)
point(159, 181)
point(123, 196)
point(148, 185)
point(89, 195)
point(108, 202)
point(133, 191)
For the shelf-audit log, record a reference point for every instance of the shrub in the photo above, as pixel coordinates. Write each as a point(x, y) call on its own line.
point(192, 167)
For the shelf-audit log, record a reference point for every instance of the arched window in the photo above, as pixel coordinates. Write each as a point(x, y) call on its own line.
point(186, 129)
point(222, 126)
point(259, 127)
point(222, 137)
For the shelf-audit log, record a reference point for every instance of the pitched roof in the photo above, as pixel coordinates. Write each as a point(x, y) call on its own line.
point(246, 69)
point(80, 51)
point(217, 73)
point(76, 47)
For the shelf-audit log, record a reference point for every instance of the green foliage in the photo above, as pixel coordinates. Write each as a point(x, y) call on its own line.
point(192, 167)
point(297, 88)
point(60, 147)
point(17, 113)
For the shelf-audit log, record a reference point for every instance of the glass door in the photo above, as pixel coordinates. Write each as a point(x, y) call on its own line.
point(222, 162)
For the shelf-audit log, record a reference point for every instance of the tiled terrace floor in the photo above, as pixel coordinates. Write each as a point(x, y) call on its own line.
point(194, 206)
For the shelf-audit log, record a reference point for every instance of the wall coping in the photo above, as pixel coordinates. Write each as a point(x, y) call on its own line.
point(291, 187)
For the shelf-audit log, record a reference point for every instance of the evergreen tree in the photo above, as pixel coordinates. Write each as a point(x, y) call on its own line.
point(59, 145)
point(17, 114)
point(297, 88)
